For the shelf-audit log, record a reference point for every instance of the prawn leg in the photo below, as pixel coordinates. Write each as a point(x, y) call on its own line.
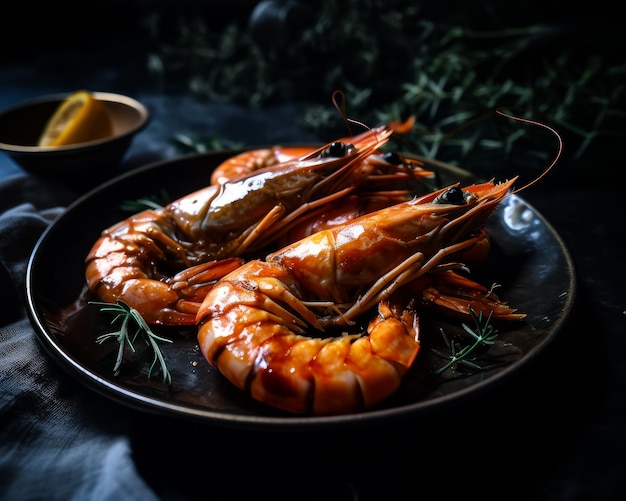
point(173, 301)
point(446, 290)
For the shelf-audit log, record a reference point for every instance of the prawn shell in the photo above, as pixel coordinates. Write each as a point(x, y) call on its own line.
point(335, 383)
point(282, 375)
point(261, 347)
point(258, 326)
point(135, 257)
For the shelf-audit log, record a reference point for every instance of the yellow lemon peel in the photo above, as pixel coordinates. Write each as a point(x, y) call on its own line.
point(78, 119)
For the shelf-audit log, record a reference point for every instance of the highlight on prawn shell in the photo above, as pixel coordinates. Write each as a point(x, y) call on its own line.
point(263, 348)
point(162, 262)
point(271, 325)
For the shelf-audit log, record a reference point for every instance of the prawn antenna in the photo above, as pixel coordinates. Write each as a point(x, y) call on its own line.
point(339, 102)
point(500, 111)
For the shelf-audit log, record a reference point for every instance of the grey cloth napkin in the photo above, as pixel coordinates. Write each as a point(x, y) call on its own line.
point(57, 439)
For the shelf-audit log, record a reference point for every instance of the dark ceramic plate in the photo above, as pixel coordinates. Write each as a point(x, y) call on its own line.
point(528, 259)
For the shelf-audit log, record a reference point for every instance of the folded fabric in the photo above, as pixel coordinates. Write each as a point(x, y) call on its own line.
point(57, 440)
point(20, 228)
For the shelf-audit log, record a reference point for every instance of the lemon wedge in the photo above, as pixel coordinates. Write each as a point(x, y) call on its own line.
point(79, 118)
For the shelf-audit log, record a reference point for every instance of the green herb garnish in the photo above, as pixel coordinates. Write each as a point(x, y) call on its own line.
point(149, 202)
point(484, 334)
point(125, 337)
point(193, 143)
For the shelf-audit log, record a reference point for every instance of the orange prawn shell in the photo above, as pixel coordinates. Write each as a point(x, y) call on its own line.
point(332, 264)
point(134, 258)
point(249, 161)
point(257, 326)
point(249, 329)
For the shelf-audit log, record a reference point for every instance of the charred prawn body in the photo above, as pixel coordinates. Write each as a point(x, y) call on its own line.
point(162, 262)
point(328, 324)
point(281, 328)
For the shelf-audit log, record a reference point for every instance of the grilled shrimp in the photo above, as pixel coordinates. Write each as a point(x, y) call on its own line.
point(162, 262)
point(286, 329)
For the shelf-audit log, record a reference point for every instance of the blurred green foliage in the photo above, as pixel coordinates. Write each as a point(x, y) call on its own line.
point(446, 65)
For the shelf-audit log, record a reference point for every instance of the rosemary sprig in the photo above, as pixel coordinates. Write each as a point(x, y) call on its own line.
point(483, 334)
point(189, 143)
point(124, 337)
point(149, 202)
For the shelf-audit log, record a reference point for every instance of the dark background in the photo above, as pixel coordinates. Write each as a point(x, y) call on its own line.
point(141, 46)
point(556, 434)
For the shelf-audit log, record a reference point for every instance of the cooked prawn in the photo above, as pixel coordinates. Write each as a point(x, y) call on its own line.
point(137, 259)
point(271, 325)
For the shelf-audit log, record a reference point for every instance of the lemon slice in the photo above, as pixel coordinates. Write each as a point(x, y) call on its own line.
point(79, 118)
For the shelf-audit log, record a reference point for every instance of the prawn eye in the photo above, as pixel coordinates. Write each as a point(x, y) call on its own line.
point(392, 157)
point(452, 195)
point(336, 149)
